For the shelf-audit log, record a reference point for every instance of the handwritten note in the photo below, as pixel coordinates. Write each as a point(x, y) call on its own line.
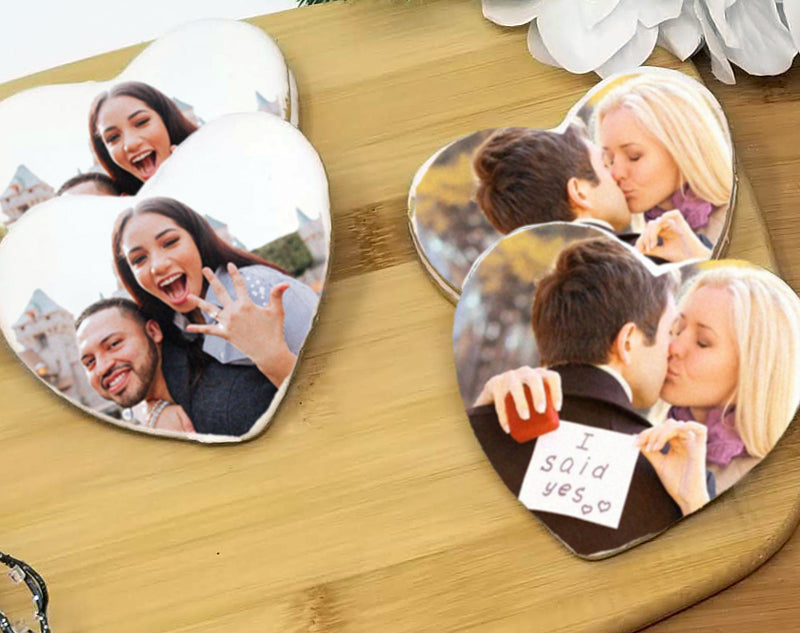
point(582, 472)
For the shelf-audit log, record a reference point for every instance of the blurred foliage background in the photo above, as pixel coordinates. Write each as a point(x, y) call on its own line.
point(451, 229)
point(289, 252)
point(492, 327)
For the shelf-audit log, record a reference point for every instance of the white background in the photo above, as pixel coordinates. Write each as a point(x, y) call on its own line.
point(40, 34)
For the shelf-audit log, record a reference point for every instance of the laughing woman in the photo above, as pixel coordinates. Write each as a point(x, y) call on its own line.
point(246, 310)
point(134, 128)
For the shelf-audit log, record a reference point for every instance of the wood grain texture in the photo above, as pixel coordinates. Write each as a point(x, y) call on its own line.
point(369, 506)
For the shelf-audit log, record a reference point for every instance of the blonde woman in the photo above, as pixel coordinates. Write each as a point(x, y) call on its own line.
point(733, 367)
point(669, 150)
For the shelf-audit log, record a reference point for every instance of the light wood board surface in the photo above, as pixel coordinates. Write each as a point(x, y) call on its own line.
point(369, 506)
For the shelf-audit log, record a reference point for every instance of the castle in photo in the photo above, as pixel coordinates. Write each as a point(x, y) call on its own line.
point(312, 232)
point(303, 253)
point(46, 331)
point(265, 105)
point(24, 191)
point(188, 111)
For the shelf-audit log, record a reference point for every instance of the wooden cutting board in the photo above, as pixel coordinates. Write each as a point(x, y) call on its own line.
point(368, 506)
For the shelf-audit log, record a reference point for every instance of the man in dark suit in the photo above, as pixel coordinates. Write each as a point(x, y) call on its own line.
point(528, 176)
point(602, 323)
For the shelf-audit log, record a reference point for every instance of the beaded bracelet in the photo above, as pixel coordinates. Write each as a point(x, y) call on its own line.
point(20, 571)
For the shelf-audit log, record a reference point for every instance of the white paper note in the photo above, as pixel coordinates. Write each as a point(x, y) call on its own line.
point(582, 472)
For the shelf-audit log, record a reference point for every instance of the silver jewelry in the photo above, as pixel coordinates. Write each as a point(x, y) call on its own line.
point(155, 412)
point(20, 572)
point(214, 315)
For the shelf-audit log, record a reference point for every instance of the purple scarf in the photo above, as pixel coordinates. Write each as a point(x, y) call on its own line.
point(692, 208)
point(723, 442)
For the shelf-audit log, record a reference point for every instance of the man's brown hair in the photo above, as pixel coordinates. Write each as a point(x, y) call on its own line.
point(100, 180)
point(596, 287)
point(523, 175)
point(126, 306)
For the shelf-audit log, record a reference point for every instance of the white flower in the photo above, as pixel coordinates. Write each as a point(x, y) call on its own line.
point(790, 12)
point(749, 33)
point(608, 36)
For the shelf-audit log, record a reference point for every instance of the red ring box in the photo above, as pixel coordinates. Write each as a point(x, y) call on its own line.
point(538, 423)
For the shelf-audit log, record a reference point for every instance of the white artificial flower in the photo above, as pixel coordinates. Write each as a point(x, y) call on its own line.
point(790, 12)
point(609, 36)
point(749, 33)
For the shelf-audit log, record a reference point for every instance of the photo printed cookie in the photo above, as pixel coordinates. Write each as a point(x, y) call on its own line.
point(166, 236)
point(614, 395)
point(646, 156)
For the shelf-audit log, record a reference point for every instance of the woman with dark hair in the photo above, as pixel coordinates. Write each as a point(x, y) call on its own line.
point(178, 269)
point(134, 128)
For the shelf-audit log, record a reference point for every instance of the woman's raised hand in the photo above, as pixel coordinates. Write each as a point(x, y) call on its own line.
point(682, 470)
point(513, 382)
point(254, 330)
point(671, 238)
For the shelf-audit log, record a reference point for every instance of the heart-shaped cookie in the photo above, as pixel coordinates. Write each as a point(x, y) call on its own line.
point(643, 155)
point(669, 381)
point(205, 356)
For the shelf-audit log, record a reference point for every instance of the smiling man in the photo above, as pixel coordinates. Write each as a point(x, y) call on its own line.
point(128, 360)
point(119, 349)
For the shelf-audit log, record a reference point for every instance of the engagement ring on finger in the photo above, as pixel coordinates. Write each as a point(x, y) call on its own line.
point(214, 315)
